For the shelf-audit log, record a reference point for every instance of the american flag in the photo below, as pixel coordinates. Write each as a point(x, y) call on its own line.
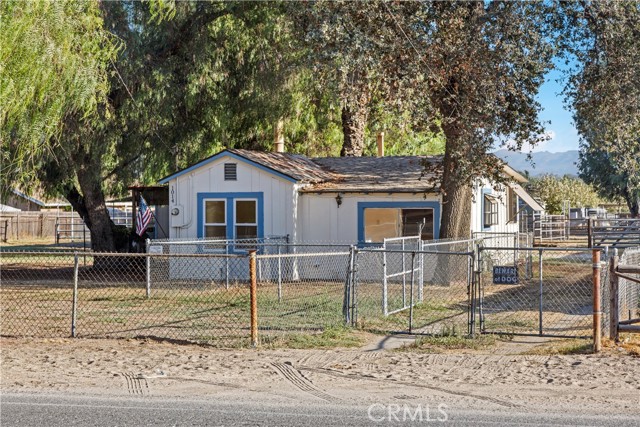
point(143, 217)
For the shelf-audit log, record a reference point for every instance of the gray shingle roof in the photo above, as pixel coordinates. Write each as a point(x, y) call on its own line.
point(296, 166)
point(391, 174)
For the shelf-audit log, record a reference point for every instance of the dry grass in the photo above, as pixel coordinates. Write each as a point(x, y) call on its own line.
point(563, 347)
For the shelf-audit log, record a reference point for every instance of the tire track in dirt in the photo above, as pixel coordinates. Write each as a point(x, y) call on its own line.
point(136, 384)
point(387, 381)
point(295, 377)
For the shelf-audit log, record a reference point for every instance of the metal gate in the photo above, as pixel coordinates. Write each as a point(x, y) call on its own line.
point(535, 291)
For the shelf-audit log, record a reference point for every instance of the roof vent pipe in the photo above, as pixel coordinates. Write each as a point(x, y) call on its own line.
point(278, 140)
point(381, 144)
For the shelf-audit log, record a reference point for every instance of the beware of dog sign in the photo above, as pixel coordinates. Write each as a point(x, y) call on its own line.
point(505, 275)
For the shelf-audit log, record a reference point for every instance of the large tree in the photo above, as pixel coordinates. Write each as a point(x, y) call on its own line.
point(604, 91)
point(206, 76)
point(54, 64)
point(472, 69)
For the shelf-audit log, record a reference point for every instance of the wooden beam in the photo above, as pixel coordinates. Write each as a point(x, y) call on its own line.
point(628, 269)
point(633, 329)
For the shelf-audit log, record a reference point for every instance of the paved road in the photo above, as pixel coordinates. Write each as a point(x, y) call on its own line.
point(68, 410)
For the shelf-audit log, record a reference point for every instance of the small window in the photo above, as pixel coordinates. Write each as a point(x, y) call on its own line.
point(230, 171)
point(215, 219)
point(246, 222)
point(490, 210)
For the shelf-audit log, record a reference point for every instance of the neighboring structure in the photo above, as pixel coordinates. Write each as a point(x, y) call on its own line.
point(19, 201)
point(239, 194)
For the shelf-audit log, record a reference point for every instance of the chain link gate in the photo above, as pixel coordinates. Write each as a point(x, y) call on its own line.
point(432, 291)
point(535, 291)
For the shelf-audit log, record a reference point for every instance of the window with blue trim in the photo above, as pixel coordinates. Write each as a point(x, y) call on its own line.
point(229, 216)
point(382, 223)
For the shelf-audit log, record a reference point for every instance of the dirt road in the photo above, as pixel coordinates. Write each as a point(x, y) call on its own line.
point(598, 384)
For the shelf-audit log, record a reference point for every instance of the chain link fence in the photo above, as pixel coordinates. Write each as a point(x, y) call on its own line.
point(628, 290)
point(199, 290)
point(124, 295)
point(36, 294)
point(543, 291)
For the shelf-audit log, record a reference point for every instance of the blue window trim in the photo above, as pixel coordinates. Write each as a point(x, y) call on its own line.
point(431, 205)
point(230, 197)
point(233, 156)
point(485, 191)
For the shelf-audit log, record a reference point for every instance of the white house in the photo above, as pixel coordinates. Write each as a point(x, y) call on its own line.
point(239, 194)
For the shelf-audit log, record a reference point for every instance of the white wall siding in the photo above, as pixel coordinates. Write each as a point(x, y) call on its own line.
point(278, 195)
point(323, 221)
point(477, 214)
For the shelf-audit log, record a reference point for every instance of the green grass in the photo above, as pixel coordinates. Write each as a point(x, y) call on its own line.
point(331, 337)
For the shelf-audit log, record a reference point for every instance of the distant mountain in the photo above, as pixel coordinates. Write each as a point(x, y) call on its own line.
point(544, 162)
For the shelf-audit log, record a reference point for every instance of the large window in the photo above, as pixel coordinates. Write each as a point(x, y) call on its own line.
point(381, 223)
point(490, 210)
point(230, 215)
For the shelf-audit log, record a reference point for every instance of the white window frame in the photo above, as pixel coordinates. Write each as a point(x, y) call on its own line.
point(206, 224)
point(490, 203)
point(235, 211)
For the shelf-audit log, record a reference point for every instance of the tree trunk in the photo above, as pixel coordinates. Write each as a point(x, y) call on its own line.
point(633, 202)
point(354, 121)
point(456, 192)
point(94, 211)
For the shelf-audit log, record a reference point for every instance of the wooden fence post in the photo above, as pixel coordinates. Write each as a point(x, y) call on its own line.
point(253, 291)
point(613, 297)
point(597, 310)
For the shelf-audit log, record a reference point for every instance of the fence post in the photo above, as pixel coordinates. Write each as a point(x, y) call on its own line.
point(413, 260)
point(597, 311)
point(404, 278)
point(354, 287)
point(590, 232)
point(279, 274)
point(385, 310)
point(477, 296)
point(148, 268)
point(421, 276)
point(74, 306)
point(253, 291)
point(226, 264)
point(541, 290)
point(613, 297)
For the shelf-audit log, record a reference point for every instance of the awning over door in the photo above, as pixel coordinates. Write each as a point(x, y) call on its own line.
point(526, 197)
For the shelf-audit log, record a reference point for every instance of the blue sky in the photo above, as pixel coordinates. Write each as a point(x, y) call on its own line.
point(563, 134)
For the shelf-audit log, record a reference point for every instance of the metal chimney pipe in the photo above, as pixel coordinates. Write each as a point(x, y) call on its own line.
point(278, 140)
point(381, 144)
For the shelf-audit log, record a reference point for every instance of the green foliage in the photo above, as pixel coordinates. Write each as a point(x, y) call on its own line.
point(54, 62)
point(553, 191)
point(604, 91)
